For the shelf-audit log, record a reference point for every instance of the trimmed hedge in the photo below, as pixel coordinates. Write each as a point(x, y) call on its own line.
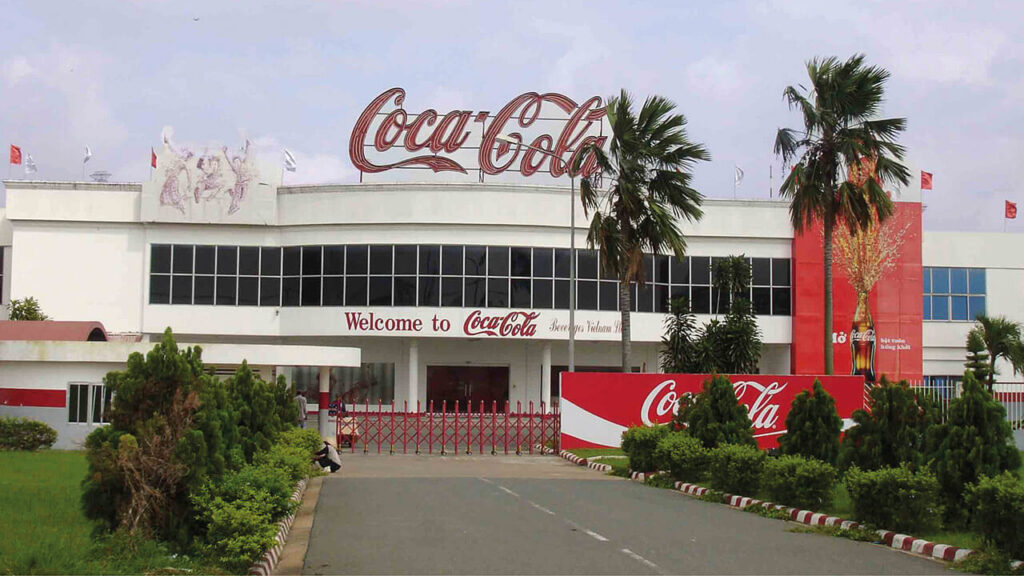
point(25, 434)
point(639, 443)
point(737, 469)
point(998, 504)
point(800, 482)
point(895, 498)
point(683, 456)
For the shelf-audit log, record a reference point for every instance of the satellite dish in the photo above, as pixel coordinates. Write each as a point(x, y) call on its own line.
point(100, 176)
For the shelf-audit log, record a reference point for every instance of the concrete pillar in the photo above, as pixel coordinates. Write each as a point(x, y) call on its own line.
point(413, 393)
point(545, 377)
point(325, 398)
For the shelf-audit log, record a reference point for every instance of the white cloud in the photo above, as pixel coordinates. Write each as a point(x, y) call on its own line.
point(717, 78)
point(17, 69)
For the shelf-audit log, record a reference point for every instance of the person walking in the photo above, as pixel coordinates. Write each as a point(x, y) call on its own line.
point(301, 400)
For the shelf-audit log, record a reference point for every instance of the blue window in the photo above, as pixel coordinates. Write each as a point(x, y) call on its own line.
point(958, 281)
point(959, 307)
point(927, 277)
point(927, 307)
point(977, 280)
point(940, 307)
point(953, 294)
point(977, 306)
point(940, 280)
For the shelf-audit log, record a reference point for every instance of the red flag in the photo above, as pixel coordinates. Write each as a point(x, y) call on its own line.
point(15, 154)
point(152, 158)
point(1011, 210)
point(926, 180)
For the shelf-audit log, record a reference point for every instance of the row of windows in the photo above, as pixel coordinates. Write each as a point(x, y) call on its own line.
point(433, 275)
point(88, 403)
point(956, 294)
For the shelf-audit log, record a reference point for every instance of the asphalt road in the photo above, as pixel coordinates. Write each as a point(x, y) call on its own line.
point(542, 515)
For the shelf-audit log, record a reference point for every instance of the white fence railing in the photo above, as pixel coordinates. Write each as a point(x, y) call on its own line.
point(1010, 395)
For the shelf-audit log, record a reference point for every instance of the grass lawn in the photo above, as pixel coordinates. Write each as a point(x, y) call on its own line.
point(42, 525)
point(589, 452)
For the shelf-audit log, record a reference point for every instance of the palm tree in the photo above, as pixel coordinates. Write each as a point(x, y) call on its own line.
point(1002, 338)
point(648, 165)
point(841, 135)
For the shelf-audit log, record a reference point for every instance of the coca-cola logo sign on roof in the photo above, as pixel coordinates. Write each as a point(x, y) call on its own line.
point(501, 325)
point(430, 139)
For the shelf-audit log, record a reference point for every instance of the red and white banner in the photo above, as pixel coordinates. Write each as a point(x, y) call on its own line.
point(598, 407)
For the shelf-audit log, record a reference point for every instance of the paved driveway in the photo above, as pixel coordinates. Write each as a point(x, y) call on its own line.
point(542, 515)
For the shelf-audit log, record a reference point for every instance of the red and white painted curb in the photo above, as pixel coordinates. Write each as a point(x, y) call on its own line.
point(265, 565)
point(641, 476)
point(583, 461)
point(544, 449)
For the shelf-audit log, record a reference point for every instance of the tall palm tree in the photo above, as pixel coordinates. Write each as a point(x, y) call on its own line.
point(840, 136)
point(1002, 338)
point(648, 166)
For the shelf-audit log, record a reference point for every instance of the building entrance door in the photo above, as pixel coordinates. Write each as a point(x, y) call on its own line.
point(464, 384)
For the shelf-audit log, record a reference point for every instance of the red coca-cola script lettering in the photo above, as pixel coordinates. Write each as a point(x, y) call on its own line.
point(510, 325)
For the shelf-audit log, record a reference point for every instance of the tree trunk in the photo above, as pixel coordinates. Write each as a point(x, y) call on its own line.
point(828, 297)
point(624, 307)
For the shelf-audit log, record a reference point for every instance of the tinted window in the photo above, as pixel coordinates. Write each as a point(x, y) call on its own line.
point(270, 291)
point(780, 271)
point(226, 290)
point(355, 290)
point(543, 262)
point(762, 301)
point(700, 299)
point(497, 261)
point(608, 296)
point(380, 291)
point(203, 290)
point(761, 272)
point(380, 261)
point(290, 291)
point(429, 289)
point(206, 257)
point(249, 261)
point(182, 259)
point(355, 260)
point(451, 260)
point(645, 298)
point(680, 270)
point(334, 291)
point(451, 291)
point(430, 260)
point(958, 308)
point(159, 289)
point(312, 258)
point(587, 260)
point(958, 281)
point(520, 297)
point(160, 259)
point(521, 262)
point(780, 302)
point(586, 294)
point(497, 292)
point(227, 260)
point(561, 294)
point(292, 261)
point(248, 291)
point(311, 291)
point(476, 292)
point(181, 290)
point(405, 289)
point(661, 269)
point(542, 296)
point(700, 269)
point(977, 280)
point(405, 259)
point(940, 281)
point(270, 262)
point(334, 260)
point(563, 264)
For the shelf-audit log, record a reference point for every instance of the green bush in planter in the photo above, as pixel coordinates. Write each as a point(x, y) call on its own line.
point(716, 417)
point(895, 498)
point(639, 443)
point(812, 426)
point(683, 456)
point(737, 469)
point(799, 482)
point(998, 504)
point(25, 434)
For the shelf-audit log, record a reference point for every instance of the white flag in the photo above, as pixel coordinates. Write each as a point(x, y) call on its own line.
point(289, 161)
point(30, 165)
point(88, 155)
point(739, 176)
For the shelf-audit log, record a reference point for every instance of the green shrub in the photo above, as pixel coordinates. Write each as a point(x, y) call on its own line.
point(716, 417)
point(998, 504)
point(639, 443)
point(812, 426)
point(891, 431)
point(895, 498)
point(25, 434)
point(238, 532)
point(800, 482)
point(737, 469)
point(293, 458)
point(683, 456)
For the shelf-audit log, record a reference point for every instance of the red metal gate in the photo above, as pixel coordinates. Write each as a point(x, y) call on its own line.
point(480, 429)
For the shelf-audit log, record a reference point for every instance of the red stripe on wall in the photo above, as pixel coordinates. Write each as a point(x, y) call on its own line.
point(30, 397)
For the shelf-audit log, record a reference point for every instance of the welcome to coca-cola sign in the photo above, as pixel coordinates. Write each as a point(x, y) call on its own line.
point(598, 407)
point(386, 136)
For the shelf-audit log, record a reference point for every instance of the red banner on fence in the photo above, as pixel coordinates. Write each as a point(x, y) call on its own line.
point(597, 407)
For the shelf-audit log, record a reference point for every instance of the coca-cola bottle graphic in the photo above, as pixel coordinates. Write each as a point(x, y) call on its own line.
point(862, 341)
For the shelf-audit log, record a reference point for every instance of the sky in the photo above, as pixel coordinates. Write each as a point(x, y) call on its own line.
point(117, 75)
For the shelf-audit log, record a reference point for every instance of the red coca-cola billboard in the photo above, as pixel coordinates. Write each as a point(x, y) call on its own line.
point(598, 407)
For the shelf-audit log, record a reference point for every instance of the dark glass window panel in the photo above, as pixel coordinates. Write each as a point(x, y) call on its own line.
point(680, 269)
point(927, 302)
point(429, 288)
point(355, 290)
point(940, 307)
point(270, 262)
point(587, 262)
point(645, 298)
point(451, 291)
point(451, 260)
point(249, 261)
point(270, 291)
point(649, 268)
point(380, 291)
point(248, 291)
point(661, 298)
point(430, 260)
point(159, 289)
point(977, 306)
point(781, 302)
point(762, 301)
point(77, 403)
point(227, 260)
point(405, 288)
point(661, 268)
point(700, 299)
point(958, 306)
point(562, 294)
point(476, 260)
point(700, 270)
point(677, 292)
point(476, 292)
point(940, 281)
point(563, 263)
point(290, 291)
point(497, 260)
point(521, 262)
point(97, 404)
point(608, 296)
point(203, 290)
point(293, 261)
point(182, 259)
point(780, 272)
point(497, 292)
point(977, 280)
point(958, 281)
point(405, 261)
point(312, 258)
point(586, 294)
point(334, 291)
point(160, 259)
point(926, 279)
point(543, 262)
point(761, 272)
point(520, 293)
point(356, 260)
point(226, 291)
point(380, 260)
point(719, 301)
point(542, 296)
point(206, 259)
point(334, 260)
point(181, 290)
